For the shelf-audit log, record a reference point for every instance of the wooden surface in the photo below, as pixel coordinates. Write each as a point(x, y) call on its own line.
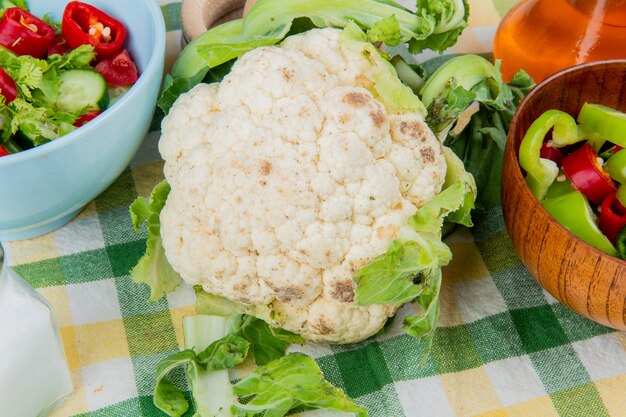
point(588, 281)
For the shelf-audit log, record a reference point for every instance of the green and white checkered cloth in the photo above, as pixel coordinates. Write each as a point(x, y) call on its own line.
point(504, 348)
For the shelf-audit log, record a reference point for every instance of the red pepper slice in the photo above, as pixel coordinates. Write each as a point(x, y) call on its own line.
point(84, 24)
point(612, 217)
point(3, 151)
point(87, 117)
point(7, 87)
point(587, 176)
point(552, 153)
point(59, 46)
point(120, 70)
point(25, 34)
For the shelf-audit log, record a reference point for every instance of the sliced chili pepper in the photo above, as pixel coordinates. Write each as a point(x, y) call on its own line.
point(552, 153)
point(612, 217)
point(587, 176)
point(87, 117)
point(25, 34)
point(573, 212)
point(120, 70)
point(59, 46)
point(609, 123)
point(85, 24)
point(7, 87)
point(541, 172)
point(3, 151)
point(615, 166)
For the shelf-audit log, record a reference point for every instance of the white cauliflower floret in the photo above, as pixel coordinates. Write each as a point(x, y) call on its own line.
point(288, 177)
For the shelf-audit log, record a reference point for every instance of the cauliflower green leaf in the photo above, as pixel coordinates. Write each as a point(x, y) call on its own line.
point(452, 90)
point(292, 381)
point(410, 270)
point(436, 25)
point(153, 268)
point(266, 343)
point(280, 385)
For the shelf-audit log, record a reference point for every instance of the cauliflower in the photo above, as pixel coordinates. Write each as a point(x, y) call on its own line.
point(288, 177)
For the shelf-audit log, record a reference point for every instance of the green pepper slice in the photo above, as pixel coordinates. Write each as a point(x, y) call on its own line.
point(615, 166)
point(591, 136)
point(573, 212)
point(540, 172)
point(609, 123)
point(559, 188)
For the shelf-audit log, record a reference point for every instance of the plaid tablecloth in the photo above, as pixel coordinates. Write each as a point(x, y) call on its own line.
point(504, 348)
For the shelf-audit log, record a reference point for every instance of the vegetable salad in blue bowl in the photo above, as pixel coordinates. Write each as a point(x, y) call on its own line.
point(96, 82)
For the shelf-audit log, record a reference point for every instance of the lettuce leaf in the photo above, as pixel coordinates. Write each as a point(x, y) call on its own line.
point(153, 269)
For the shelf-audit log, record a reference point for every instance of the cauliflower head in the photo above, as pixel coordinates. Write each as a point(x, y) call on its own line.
point(288, 177)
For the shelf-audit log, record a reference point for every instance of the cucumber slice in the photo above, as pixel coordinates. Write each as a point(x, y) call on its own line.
point(82, 89)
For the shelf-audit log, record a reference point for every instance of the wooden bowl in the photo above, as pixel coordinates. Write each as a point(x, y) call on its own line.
point(581, 277)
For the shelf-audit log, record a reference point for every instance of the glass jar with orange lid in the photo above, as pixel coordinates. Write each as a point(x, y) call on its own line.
point(546, 36)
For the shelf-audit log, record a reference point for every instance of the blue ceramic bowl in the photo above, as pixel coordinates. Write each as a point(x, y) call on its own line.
point(43, 188)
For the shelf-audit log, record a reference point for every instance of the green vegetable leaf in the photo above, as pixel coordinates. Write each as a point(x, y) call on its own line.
point(214, 305)
point(386, 30)
point(386, 86)
point(7, 4)
point(435, 25)
point(55, 25)
point(220, 355)
point(224, 353)
point(422, 327)
point(456, 86)
point(153, 268)
point(167, 397)
point(266, 343)
point(289, 382)
point(411, 267)
point(277, 387)
point(398, 276)
point(80, 57)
